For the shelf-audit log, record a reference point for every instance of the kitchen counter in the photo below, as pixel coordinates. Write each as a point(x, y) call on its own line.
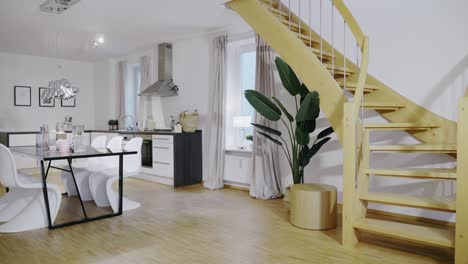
point(169, 158)
point(137, 132)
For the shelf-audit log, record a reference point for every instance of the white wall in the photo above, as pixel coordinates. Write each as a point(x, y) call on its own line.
point(36, 72)
point(192, 73)
point(420, 49)
point(106, 108)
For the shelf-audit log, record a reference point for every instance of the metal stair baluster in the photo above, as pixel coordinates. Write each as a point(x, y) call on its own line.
point(310, 23)
point(299, 15)
point(321, 33)
point(333, 38)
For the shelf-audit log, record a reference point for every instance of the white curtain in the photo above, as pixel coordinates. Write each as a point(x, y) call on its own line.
point(121, 82)
point(217, 133)
point(266, 180)
point(145, 109)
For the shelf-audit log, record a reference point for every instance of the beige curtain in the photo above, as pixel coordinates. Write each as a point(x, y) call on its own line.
point(121, 79)
point(266, 182)
point(217, 133)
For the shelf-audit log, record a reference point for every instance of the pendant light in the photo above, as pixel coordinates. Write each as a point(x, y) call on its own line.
point(62, 88)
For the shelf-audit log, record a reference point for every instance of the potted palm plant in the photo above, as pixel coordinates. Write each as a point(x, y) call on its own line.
point(298, 147)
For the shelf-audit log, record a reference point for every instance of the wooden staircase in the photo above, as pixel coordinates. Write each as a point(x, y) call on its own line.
point(323, 68)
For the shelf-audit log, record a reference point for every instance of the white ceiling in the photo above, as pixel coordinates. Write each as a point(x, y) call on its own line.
point(128, 25)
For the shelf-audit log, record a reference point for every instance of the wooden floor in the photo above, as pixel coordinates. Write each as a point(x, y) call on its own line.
point(194, 225)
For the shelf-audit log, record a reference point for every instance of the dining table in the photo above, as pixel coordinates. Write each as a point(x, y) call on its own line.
point(48, 156)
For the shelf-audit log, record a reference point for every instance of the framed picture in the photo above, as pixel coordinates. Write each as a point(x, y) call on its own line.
point(22, 96)
point(69, 102)
point(43, 103)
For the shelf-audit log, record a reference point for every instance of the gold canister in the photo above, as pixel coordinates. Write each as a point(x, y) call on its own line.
point(313, 206)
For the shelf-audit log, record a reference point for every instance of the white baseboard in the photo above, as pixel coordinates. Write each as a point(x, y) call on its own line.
point(155, 179)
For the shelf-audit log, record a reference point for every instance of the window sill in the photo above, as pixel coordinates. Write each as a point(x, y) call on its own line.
point(234, 150)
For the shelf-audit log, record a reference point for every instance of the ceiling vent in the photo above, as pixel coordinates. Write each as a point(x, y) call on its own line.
point(57, 6)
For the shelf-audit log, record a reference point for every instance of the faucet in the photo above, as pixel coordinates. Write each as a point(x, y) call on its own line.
point(130, 128)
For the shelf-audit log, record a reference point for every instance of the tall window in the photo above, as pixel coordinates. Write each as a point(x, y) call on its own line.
point(247, 78)
point(241, 62)
point(132, 88)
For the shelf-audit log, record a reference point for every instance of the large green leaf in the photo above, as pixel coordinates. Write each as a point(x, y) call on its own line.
point(289, 79)
point(267, 129)
point(285, 111)
point(317, 146)
point(310, 108)
point(302, 137)
point(303, 91)
point(304, 156)
point(271, 138)
point(263, 105)
point(325, 132)
point(308, 126)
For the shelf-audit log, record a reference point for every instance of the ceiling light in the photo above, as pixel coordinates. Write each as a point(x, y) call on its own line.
point(57, 6)
point(100, 40)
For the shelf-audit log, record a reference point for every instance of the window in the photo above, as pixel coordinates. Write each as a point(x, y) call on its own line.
point(132, 88)
point(241, 63)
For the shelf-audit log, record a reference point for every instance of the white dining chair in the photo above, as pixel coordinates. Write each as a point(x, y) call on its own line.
point(96, 164)
point(23, 208)
point(82, 180)
point(100, 182)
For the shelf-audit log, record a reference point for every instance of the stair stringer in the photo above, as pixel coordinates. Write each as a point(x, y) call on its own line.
point(304, 63)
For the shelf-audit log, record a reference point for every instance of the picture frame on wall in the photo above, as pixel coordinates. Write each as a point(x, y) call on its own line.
point(68, 103)
point(43, 103)
point(22, 96)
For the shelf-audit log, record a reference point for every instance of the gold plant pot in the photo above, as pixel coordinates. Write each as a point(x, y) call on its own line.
point(313, 206)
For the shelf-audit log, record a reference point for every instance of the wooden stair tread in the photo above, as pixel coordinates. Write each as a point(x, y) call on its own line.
point(307, 40)
point(414, 233)
point(339, 69)
point(270, 2)
point(418, 201)
point(416, 173)
point(352, 86)
point(277, 12)
point(424, 148)
point(400, 126)
point(289, 23)
point(382, 105)
point(325, 55)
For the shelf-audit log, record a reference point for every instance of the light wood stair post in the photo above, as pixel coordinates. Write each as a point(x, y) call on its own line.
point(461, 227)
point(350, 168)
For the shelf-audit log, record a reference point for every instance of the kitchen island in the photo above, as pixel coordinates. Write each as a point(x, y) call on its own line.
point(168, 158)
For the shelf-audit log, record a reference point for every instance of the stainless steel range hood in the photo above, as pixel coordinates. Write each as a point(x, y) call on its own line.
point(164, 86)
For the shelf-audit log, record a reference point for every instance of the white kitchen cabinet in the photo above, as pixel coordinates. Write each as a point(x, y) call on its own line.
point(22, 140)
point(163, 155)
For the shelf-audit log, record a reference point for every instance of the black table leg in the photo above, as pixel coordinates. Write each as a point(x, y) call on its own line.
point(48, 168)
point(77, 190)
point(46, 194)
point(120, 184)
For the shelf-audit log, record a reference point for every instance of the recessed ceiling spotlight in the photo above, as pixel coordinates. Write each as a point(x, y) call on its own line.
point(98, 41)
